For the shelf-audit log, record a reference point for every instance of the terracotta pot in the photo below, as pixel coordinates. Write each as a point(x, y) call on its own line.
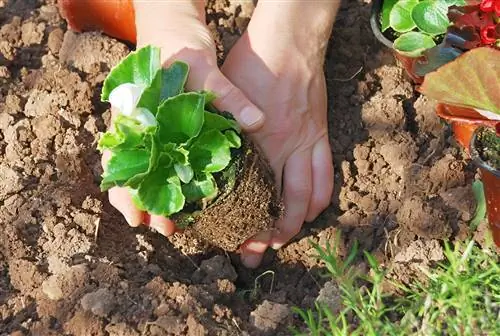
point(491, 182)
point(408, 63)
point(113, 17)
point(464, 121)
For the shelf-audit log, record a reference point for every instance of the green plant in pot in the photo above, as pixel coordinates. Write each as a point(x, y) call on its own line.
point(410, 27)
point(472, 81)
point(181, 158)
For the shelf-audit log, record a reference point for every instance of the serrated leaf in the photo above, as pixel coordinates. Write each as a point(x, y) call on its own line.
point(218, 122)
point(154, 159)
point(161, 193)
point(139, 67)
point(174, 79)
point(210, 152)
point(123, 166)
point(180, 118)
point(431, 17)
point(127, 133)
point(233, 138)
point(413, 44)
point(400, 17)
point(202, 187)
point(471, 80)
point(386, 14)
point(184, 172)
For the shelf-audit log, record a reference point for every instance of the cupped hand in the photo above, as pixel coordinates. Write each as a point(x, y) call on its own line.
point(194, 45)
point(286, 81)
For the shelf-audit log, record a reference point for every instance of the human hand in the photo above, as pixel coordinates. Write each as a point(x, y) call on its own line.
point(178, 29)
point(282, 73)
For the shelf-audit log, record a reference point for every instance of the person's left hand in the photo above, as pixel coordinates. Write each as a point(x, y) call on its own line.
point(286, 81)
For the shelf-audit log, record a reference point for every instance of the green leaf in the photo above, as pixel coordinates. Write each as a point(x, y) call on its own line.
point(400, 17)
point(180, 118)
point(386, 12)
point(123, 166)
point(174, 79)
point(127, 133)
point(431, 17)
point(150, 97)
point(413, 44)
point(185, 172)
point(161, 193)
point(139, 67)
point(480, 213)
point(233, 138)
point(471, 80)
point(154, 159)
point(202, 187)
point(218, 122)
point(210, 96)
point(134, 195)
point(210, 152)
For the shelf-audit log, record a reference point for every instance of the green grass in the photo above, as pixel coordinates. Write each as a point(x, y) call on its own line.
point(461, 296)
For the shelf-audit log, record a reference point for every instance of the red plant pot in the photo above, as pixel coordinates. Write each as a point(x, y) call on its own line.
point(491, 182)
point(464, 121)
point(115, 18)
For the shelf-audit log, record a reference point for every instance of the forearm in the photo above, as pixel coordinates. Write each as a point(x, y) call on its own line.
point(307, 23)
point(156, 16)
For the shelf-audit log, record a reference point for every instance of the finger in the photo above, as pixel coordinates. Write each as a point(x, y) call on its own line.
point(207, 76)
point(253, 249)
point(297, 188)
point(162, 224)
point(322, 179)
point(121, 200)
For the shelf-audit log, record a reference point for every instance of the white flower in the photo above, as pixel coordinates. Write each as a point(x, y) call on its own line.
point(125, 98)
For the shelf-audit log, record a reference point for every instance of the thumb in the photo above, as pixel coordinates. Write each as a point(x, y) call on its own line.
point(206, 75)
point(233, 100)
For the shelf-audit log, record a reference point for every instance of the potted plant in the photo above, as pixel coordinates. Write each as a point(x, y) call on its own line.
point(472, 83)
point(474, 25)
point(411, 27)
point(181, 158)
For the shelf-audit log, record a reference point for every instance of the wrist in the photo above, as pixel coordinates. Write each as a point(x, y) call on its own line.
point(307, 24)
point(153, 17)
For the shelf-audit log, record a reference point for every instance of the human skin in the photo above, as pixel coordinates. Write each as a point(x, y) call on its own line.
point(273, 82)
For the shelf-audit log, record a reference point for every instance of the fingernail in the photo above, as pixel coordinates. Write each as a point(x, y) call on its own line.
point(251, 260)
point(256, 246)
point(250, 116)
point(158, 227)
point(276, 246)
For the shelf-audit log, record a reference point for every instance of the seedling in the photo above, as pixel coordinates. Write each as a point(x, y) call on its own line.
point(166, 148)
point(416, 24)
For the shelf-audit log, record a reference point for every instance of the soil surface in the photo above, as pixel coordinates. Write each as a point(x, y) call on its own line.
point(70, 265)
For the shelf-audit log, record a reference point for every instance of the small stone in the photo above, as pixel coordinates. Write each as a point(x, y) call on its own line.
point(52, 288)
point(100, 303)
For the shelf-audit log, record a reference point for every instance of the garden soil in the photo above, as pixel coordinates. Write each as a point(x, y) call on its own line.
point(70, 265)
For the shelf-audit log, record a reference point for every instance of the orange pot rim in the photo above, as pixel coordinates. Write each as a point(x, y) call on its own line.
point(445, 111)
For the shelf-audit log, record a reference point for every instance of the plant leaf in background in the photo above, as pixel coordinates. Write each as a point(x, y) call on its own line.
point(471, 80)
point(431, 17)
point(413, 44)
point(400, 17)
point(387, 6)
point(139, 67)
point(480, 213)
point(180, 118)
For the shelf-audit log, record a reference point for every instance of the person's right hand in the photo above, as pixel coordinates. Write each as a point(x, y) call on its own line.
point(178, 28)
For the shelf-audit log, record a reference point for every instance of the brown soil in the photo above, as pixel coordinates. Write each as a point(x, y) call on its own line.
point(69, 264)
